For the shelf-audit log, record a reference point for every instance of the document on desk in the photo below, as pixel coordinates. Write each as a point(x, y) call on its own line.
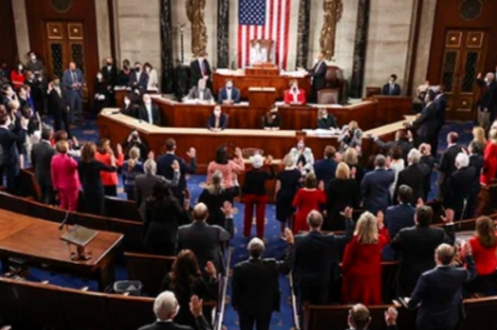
point(295, 74)
point(322, 132)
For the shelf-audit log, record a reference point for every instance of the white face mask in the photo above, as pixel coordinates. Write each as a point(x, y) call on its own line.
point(99, 76)
point(127, 102)
point(486, 80)
point(20, 67)
point(33, 58)
point(148, 103)
point(217, 113)
point(300, 146)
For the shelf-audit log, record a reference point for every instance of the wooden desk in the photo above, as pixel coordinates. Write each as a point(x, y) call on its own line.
point(368, 114)
point(38, 242)
point(121, 93)
point(244, 82)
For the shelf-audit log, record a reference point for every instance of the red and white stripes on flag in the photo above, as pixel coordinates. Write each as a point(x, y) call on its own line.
point(276, 28)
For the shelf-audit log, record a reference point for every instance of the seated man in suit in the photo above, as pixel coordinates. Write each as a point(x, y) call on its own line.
point(218, 121)
point(438, 291)
point(150, 112)
point(295, 95)
point(200, 93)
point(360, 318)
point(258, 55)
point(166, 307)
point(391, 88)
point(375, 186)
point(229, 94)
point(138, 78)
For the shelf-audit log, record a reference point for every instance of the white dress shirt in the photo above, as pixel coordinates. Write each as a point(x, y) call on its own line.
point(149, 113)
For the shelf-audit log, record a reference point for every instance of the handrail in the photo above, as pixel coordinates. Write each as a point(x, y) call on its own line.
point(296, 318)
point(220, 315)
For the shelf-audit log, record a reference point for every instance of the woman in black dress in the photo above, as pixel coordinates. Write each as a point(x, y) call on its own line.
point(185, 280)
point(162, 215)
point(89, 174)
point(288, 182)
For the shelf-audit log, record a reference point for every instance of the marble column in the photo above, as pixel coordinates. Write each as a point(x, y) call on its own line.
point(166, 33)
point(223, 23)
point(303, 33)
point(361, 41)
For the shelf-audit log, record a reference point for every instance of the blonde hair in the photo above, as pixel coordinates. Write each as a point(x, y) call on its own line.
point(134, 153)
point(479, 135)
point(343, 171)
point(367, 229)
point(289, 161)
point(493, 135)
point(350, 156)
point(62, 147)
point(215, 185)
point(353, 124)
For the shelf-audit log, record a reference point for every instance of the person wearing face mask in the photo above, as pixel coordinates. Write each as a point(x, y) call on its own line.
point(129, 108)
point(109, 73)
point(218, 121)
point(391, 88)
point(318, 75)
point(36, 66)
point(487, 104)
point(17, 77)
point(326, 120)
point(200, 68)
point(57, 106)
point(303, 157)
point(295, 95)
point(351, 137)
point(229, 94)
point(258, 54)
point(124, 73)
point(272, 120)
point(149, 112)
point(25, 97)
point(200, 93)
point(153, 81)
point(138, 78)
point(72, 83)
point(101, 99)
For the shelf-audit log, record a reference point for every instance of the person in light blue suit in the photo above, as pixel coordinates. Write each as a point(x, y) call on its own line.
point(72, 84)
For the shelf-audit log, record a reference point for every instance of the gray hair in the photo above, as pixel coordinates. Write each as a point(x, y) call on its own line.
point(414, 156)
point(165, 306)
point(289, 161)
point(150, 167)
point(314, 219)
point(256, 247)
point(380, 161)
point(462, 160)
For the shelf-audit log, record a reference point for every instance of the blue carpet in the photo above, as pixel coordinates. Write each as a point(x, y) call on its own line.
point(275, 246)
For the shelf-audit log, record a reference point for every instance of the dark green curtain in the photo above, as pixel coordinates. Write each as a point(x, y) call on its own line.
point(223, 23)
point(166, 33)
point(303, 32)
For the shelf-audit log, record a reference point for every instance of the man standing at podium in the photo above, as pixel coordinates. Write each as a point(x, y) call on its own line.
point(318, 74)
point(199, 69)
point(258, 55)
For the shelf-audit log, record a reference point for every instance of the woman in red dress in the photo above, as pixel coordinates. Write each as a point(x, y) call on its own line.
point(490, 158)
point(361, 265)
point(307, 199)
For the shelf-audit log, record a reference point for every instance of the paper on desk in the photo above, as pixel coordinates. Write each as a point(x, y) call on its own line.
point(322, 132)
point(294, 73)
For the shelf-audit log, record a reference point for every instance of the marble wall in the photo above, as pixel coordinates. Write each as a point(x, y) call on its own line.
point(103, 28)
point(21, 23)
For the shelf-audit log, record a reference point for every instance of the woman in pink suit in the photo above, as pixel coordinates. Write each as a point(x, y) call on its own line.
point(65, 177)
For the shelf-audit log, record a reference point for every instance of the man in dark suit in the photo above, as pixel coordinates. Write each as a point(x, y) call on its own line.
point(229, 94)
point(73, 82)
point(427, 123)
point(109, 72)
point(413, 176)
point(476, 161)
point(317, 258)
point(375, 187)
point(441, 104)
point(391, 88)
point(138, 78)
point(164, 163)
point(256, 292)
point(325, 168)
point(438, 292)
point(487, 104)
point(149, 112)
point(217, 121)
point(203, 239)
point(403, 140)
point(58, 107)
point(200, 69)
point(398, 217)
point(9, 153)
point(41, 159)
point(459, 186)
point(145, 183)
point(417, 245)
point(166, 308)
point(318, 74)
point(360, 318)
point(447, 164)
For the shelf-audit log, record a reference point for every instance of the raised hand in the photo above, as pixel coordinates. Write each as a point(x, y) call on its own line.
point(467, 250)
point(119, 149)
point(391, 316)
point(420, 203)
point(449, 216)
point(210, 269)
point(347, 213)
point(196, 306)
point(227, 209)
point(380, 218)
point(192, 153)
point(288, 236)
point(151, 155)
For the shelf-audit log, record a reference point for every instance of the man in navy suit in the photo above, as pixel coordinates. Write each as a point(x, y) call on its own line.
point(164, 168)
point(439, 291)
point(318, 74)
point(441, 104)
point(391, 88)
point(398, 217)
point(9, 153)
point(427, 123)
point(229, 94)
point(325, 168)
point(459, 186)
point(138, 78)
point(72, 83)
point(217, 121)
point(375, 187)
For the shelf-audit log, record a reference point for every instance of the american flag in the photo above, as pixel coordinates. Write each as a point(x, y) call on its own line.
point(264, 19)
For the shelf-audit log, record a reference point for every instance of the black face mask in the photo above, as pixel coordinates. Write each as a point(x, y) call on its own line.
point(138, 69)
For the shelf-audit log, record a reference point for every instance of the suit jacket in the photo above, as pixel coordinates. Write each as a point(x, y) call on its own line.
point(205, 241)
point(488, 99)
point(288, 97)
point(458, 188)
point(256, 289)
point(65, 175)
point(387, 91)
point(427, 122)
point(317, 257)
point(67, 81)
point(397, 217)
point(406, 146)
point(328, 122)
point(142, 83)
point(417, 245)
point(476, 162)
point(9, 141)
point(194, 94)
point(441, 103)
point(156, 115)
point(325, 170)
point(196, 71)
point(318, 74)
point(448, 161)
point(56, 103)
point(439, 293)
point(41, 159)
point(375, 190)
point(145, 183)
point(223, 95)
point(164, 168)
point(413, 176)
point(201, 323)
point(110, 76)
point(223, 121)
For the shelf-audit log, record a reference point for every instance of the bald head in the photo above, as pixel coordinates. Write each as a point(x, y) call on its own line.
point(444, 254)
point(165, 306)
point(256, 247)
point(314, 220)
point(359, 317)
point(200, 212)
